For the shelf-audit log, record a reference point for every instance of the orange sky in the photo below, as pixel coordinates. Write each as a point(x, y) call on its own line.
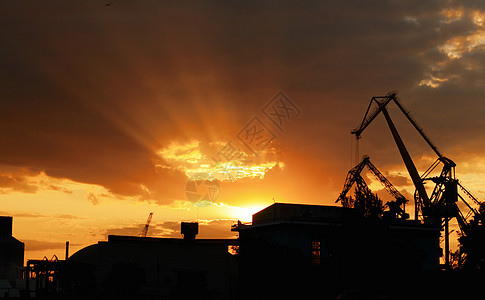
point(108, 111)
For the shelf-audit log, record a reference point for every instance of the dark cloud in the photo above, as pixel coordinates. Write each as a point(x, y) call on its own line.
point(67, 216)
point(17, 179)
point(90, 93)
point(35, 245)
point(398, 179)
point(217, 228)
point(60, 189)
point(17, 184)
point(128, 230)
point(31, 215)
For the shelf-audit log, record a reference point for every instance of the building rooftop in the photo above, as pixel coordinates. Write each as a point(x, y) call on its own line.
point(279, 212)
point(289, 213)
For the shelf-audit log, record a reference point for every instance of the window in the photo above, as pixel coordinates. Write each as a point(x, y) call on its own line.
point(233, 249)
point(316, 247)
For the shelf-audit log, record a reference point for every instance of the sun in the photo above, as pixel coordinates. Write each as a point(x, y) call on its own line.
point(245, 214)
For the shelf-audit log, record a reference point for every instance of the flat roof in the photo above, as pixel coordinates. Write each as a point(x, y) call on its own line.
point(301, 212)
point(318, 215)
point(127, 238)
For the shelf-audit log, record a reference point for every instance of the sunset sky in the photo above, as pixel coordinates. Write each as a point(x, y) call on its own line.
point(108, 111)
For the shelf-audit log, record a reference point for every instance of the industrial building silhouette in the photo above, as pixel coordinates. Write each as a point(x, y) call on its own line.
point(313, 250)
point(289, 250)
point(162, 268)
point(11, 259)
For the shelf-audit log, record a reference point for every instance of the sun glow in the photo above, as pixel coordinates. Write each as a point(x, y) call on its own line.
point(177, 153)
point(195, 158)
point(243, 214)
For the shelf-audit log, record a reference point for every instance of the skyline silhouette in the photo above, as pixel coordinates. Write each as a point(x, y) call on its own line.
point(107, 112)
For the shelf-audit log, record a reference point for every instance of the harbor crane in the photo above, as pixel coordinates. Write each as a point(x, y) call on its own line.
point(396, 207)
point(441, 205)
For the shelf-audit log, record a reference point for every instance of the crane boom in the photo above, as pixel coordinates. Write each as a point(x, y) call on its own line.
point(349, 181)
point(353, 176)
point(369, 118)
point(386, 183)
point(144, 230)
point(416, 126)
point(469, 194)
point(382, 102)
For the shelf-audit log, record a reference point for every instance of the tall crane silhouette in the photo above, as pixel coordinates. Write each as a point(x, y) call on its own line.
point(441, 206)
point(144, 230)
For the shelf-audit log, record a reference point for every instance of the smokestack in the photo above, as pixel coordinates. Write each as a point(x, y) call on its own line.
point(189, 230)
point(67, 250)
point(6, 226)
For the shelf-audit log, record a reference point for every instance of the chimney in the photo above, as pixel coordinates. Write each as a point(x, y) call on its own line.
point(67, 250)
point(189, 230)
point(6, 226)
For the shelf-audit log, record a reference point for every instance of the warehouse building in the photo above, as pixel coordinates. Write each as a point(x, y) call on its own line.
point(162, 268)
point(309, 249)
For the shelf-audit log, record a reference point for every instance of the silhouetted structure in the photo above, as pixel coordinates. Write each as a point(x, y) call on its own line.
point(442, 205)
point(288, 251)
point(161, 268)
point(144, 230)
point(310, 250)
point(11, 258)
point(189, 230)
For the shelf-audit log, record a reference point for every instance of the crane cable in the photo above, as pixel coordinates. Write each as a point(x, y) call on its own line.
point(354, 152)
